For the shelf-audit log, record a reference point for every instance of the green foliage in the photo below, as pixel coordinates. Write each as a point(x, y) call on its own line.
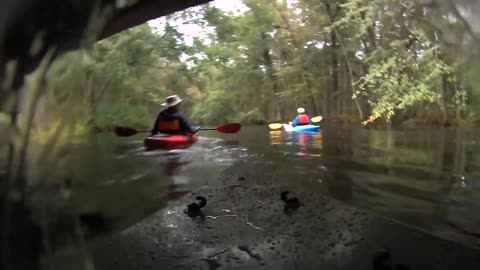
point(405, 63)
point(108, 116)
point(120, 78)
point(399, 81)
point(213, 109)
point(356, 59)
point(253, 117)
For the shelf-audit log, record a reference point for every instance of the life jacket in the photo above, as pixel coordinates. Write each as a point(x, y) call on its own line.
point(303, 119)
point(170, 125)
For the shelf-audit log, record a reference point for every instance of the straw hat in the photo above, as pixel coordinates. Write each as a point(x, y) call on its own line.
point(172, 101)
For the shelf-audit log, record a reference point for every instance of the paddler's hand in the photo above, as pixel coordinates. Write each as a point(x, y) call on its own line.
point(195, 129)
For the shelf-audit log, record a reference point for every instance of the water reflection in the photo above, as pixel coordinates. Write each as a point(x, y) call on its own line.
point(422, 177)
point(306, 141)
point(175, 166)
point(302, 138)
point(183, 170)
point(317, 140)
point(427, 177)
point(276, 137)
point(178, 185)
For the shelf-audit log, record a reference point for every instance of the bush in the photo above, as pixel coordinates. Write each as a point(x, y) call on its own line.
point(215, 109)
point(253, 117)
point(108, 116)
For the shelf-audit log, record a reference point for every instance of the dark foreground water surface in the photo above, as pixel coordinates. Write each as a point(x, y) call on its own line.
point(427, 178)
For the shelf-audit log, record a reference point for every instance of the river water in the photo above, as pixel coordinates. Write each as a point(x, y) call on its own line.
point(428, 178)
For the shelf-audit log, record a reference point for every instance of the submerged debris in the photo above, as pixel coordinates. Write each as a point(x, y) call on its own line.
point(248, 250)
point(95, 220)
point(194, 209)
point(290, 203)
point(380, 260)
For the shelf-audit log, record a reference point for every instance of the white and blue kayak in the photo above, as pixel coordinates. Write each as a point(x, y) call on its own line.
point(303, 128)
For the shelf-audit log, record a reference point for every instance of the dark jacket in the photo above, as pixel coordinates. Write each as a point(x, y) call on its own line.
point(170, 116)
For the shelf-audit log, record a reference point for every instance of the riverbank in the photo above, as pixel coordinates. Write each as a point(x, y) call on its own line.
point(245, 226)
point(405, 123)
point(326, 121)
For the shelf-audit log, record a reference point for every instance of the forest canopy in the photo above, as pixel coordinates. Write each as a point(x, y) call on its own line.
point(351, 59)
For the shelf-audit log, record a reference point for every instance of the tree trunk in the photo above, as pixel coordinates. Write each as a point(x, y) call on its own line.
point(325, 98)
point(299, 44)
point(311, 97)
point(267, 60)
point(334, 59)
point(347, 61)
point(91, 106)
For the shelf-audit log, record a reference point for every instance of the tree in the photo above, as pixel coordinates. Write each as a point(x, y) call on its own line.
point(350, 59)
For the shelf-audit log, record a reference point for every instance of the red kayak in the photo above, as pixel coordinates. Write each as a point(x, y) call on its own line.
point(164, 141)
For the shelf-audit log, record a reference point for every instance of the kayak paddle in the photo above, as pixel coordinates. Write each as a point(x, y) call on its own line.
point(316, 119)
point(227, 128)
point(276, 126)
point(127, 132)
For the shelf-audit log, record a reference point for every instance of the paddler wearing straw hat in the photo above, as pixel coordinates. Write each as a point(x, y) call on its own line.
point(170, 121)
point(301, 119)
